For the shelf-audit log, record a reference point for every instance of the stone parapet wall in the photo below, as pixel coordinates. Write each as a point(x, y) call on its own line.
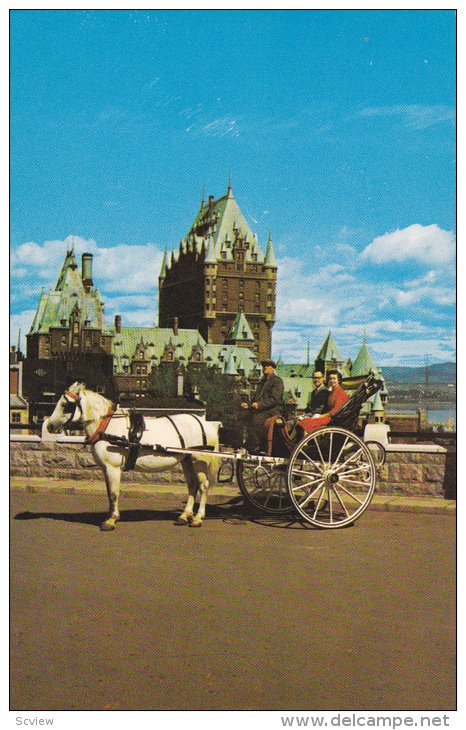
point(420, 472)
point(72, 461)
point(405, 472)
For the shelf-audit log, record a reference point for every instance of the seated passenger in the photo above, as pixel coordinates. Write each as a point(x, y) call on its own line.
point(319, 396)
point(266, 402)
point(337, 398)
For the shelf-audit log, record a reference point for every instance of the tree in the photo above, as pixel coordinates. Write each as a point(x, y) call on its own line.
point(221, 394)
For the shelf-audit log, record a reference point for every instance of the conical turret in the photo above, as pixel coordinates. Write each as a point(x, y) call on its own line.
point(364, 362)
point(270, 261)
point(230, 367)
point(210, 257)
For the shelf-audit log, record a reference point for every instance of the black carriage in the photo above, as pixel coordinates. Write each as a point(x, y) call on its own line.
point(327, 476)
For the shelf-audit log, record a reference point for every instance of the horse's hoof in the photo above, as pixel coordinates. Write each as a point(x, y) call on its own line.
point(108, 525)
point(181, 521)
point(195, 523)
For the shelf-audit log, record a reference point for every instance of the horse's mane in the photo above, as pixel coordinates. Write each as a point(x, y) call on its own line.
point(96, 401)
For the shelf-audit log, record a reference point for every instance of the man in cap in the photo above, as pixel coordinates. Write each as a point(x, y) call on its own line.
point(266, 402)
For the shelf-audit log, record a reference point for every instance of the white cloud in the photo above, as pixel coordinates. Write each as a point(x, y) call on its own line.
point(126, 276)
point(415, 116)
point(23, 322)
point(120, 268)
point(426, 244)
point(222, 127)
point(413, 351)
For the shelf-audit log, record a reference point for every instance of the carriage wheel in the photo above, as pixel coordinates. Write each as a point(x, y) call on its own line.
point(378, 452)
point(331, 477)
point(264, 486)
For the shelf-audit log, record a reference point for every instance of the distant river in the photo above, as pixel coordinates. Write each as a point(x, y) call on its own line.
point(434, 415)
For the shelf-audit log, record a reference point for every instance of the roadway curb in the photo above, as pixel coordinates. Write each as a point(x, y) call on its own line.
point(380, 502)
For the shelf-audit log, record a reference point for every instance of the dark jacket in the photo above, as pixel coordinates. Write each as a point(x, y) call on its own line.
point(318, 400)
point(269, 396)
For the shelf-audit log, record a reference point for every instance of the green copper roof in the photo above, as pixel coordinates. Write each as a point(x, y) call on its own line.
point(210, 256)
point(298, 389)
point(364, 362)
point(69, 296)
point(158, 339)
point(377, 404)
point(230, 367)
point(240, 329)
point(270, 260)
point(221, 218)
point(295, 370)
point(329, 350)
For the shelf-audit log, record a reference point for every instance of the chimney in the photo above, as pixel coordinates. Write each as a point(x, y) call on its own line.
point(175, 325)
point(87, 270)
point(179, 382)
point(118, 323)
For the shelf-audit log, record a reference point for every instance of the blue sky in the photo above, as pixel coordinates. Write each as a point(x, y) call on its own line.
point(338, 129)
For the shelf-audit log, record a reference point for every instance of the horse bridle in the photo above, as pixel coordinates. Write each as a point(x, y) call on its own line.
point(71, 405)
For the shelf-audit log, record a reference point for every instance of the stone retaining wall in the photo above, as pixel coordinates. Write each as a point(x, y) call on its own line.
point(72, 461)
point(406, 472)
point(418, 473)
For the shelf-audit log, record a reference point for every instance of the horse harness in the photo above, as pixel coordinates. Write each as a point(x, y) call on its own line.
point(136, 429)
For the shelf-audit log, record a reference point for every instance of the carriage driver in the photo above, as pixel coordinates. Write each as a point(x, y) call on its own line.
point(266, 402)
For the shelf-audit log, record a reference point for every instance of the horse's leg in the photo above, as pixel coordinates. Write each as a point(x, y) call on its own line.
point(192, 483)
point(112, 480)
point(201, 469)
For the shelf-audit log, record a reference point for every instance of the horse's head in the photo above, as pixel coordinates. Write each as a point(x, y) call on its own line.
point(68, 410)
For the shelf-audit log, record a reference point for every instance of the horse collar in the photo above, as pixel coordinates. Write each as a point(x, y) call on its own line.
point(98, 433)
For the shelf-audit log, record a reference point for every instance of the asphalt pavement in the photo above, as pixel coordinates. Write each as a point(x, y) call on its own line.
point(242, 614)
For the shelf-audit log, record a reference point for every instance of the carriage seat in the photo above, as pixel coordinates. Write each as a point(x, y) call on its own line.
point(283, 437)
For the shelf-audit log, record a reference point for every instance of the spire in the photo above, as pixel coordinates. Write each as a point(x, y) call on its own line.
point(364, 362)
point(329, 350)
point(270, 261)
point(163, 268)
point(203, 197)
point(210, 257)
point(240, 329)
point(229, 190)
point(230, 367)
point(308, 354)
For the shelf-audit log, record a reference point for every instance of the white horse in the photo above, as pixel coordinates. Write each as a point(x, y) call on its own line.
point(95, 413)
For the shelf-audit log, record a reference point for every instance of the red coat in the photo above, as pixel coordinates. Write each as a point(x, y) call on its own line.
point(336, 400)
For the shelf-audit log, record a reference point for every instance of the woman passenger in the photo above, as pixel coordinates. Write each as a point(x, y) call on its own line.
point(336, 400)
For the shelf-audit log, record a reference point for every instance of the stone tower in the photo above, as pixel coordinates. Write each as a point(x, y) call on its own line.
point(218, 272)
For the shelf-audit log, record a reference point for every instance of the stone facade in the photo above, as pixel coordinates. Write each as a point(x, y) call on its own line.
point(218, 271)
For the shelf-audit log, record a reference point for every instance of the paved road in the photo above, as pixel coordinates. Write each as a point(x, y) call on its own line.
point(238, 615)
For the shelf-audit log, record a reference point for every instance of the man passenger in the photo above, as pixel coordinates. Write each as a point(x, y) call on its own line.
point(319, 396)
